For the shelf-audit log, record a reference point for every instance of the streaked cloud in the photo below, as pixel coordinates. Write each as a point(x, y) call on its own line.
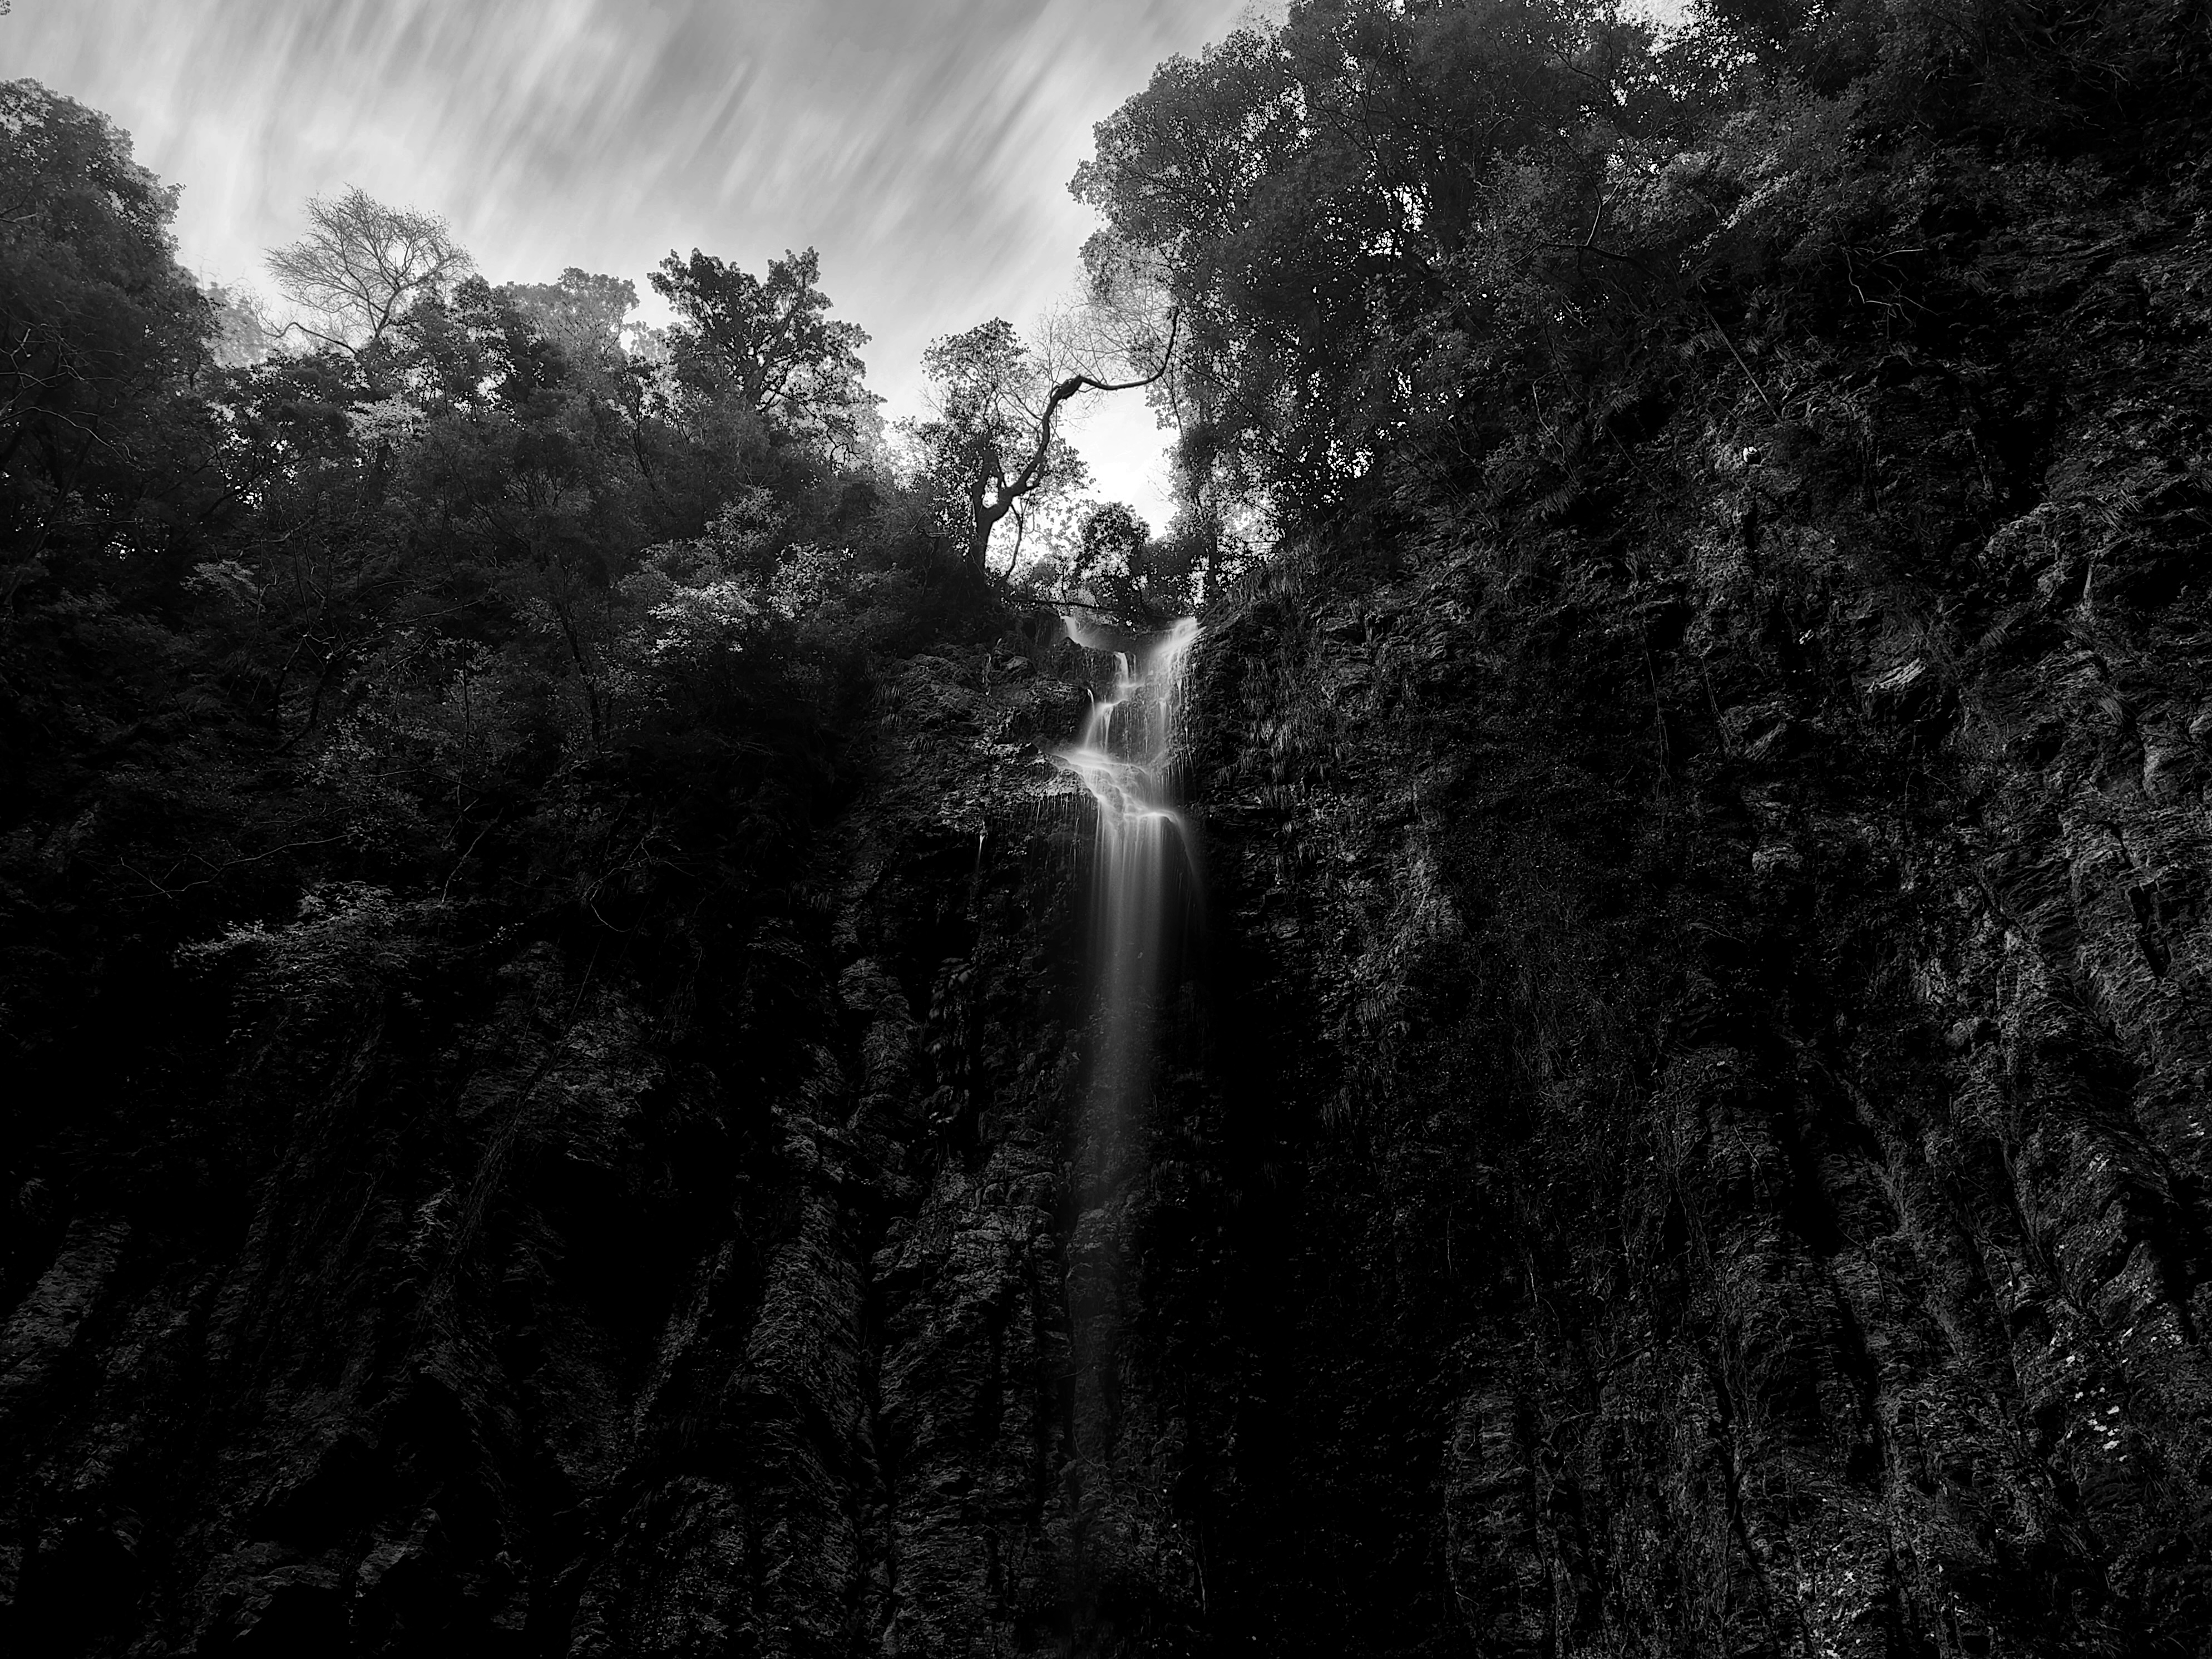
point(923, 146)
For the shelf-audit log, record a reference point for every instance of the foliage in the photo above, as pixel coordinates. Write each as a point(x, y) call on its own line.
point(95, 317)
point(992, 449)
point(489, 612)
point(582, 313)
point(770, 343)
point(1313, 191)
point(1408, 236)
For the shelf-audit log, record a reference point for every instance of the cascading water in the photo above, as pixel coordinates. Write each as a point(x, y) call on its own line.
point(1143, 869)
point(1142, 883)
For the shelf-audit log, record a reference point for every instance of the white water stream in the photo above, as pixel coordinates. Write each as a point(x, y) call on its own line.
point(1143, 883)
point(1143, 871)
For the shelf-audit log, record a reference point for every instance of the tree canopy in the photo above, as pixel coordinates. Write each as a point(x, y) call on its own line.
point(769, 342)
point(1395, 226)
point(433, 584)
point(95, 315)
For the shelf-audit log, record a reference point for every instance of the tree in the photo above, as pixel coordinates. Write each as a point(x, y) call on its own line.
point(582, 312)
point(96, 317)
point(1342, 202)
point(363, 264)
point(239, 330)
point(1123, 569)
point(994, 442)
point(1112, 537)
point(770, 343)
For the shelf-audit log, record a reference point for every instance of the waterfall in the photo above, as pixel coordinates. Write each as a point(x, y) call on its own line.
point(1142, 869)
point(1143, 876)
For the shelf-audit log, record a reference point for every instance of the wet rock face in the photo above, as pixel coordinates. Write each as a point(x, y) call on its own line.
point(1710, 1111)
point(1688, 1133)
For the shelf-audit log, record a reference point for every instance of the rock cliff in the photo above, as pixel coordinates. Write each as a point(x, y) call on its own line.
point(1702, 1144)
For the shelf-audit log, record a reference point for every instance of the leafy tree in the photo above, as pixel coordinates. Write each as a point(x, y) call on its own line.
point(1123, 569)
point(1316, 192)
point(583, 313)
point(363, 264)
point(1112, 537)
point(240, 334)
point(994, 445)
point(988, 447)
point(97, 319)
point(769, 342)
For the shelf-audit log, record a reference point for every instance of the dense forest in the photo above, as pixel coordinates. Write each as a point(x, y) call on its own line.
point(541, 988)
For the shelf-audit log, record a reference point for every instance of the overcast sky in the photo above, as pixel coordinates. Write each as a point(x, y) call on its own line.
point(923, 146)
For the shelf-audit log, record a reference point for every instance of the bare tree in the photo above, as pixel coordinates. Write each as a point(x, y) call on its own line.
point(361, 264)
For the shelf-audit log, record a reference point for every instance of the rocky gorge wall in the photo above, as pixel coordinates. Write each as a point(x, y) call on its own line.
point(1684, 1133)
point(1716, 990)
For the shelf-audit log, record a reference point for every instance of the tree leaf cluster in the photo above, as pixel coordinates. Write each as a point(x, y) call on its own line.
point(770, 343)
